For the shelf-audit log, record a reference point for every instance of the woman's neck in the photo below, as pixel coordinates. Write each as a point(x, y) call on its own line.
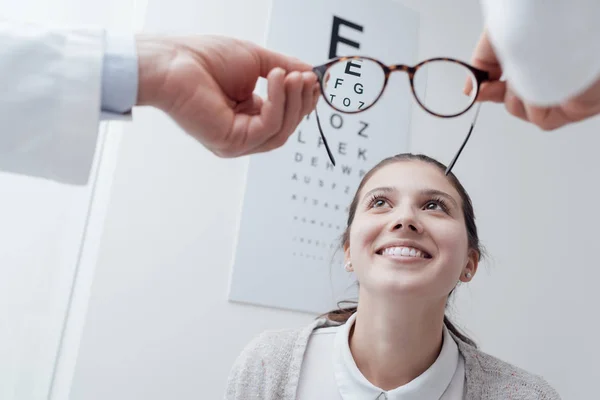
point(392, 345)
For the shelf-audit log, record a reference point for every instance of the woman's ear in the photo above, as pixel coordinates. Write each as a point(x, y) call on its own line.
point(471, 268)
point(346, 252)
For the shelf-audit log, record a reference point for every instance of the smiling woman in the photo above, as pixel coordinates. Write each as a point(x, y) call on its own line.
point(452, 201)
point(411, 238)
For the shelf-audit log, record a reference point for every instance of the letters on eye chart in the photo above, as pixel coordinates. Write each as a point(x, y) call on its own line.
point(341, 149)
point(352, 68)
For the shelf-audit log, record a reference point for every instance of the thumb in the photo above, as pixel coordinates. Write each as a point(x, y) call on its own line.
point(270, 60)
point(484, 57)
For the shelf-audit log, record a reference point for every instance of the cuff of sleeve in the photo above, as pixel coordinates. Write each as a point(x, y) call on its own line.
point(119, 74)
point(548, 53)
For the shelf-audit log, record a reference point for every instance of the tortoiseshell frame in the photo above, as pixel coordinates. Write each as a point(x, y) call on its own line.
point(320, 70)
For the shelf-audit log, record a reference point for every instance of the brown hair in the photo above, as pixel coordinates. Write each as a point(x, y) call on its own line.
point(342, 314)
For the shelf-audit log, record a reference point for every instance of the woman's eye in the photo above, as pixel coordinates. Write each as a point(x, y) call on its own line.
point(433, 206)
point(379, 203)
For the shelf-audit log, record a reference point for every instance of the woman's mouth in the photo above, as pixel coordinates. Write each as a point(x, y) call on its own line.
point(403, 251)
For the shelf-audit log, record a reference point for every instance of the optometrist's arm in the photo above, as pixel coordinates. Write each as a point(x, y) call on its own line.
point(549, 55)
point(56, 83)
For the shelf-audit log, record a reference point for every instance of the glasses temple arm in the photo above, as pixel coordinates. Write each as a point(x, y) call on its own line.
point(451, 165)
point(323, 138)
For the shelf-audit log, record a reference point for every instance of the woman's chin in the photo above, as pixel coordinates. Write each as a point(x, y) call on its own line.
point(398, 282)
point(406, 276)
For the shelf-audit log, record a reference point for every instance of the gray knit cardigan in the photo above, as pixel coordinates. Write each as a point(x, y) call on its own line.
point(269, 369)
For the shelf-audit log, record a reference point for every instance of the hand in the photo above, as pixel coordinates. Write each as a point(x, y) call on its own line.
point(578, 108)
point(206, 84)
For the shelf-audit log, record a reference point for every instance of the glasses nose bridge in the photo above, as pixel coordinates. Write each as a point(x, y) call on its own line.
point(402, 68)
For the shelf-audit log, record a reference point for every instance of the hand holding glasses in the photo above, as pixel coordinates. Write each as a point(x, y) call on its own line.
point(354, 84)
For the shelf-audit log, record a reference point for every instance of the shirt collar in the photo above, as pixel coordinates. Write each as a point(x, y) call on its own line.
point(431, 384)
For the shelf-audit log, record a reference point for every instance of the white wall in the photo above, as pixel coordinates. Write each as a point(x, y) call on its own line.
point(43, 228)
point(159, 325)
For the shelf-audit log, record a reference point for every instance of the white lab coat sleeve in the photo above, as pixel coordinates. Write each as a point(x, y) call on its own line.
point(549, 50)
point(49, 101)
point(119, 76)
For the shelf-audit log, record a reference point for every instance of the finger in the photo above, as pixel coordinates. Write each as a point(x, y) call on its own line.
point(484, 57)
point(546, 118)
point(316, 95)
point(252, 106)
point(514, 105)
point(308, 80)
point(293, 109)
point(535, 115)
point(251, 131)
point(492, 91)
point(270, 59)
point(293, 105)
point(270, 119)
point(308, 96)
point(292, 116)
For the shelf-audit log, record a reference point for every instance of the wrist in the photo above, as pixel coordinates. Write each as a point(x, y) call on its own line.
point(154, 59)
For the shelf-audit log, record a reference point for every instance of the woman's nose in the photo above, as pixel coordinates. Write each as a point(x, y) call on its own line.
point(400, 225)
point(407, 220)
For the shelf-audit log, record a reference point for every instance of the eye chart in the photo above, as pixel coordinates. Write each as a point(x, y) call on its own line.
point(288, 253)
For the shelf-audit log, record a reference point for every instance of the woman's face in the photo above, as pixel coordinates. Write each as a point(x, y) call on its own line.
point(408, 236)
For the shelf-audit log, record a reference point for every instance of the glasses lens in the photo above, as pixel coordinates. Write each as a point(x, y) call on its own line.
point(439, 87)
point(353, 85)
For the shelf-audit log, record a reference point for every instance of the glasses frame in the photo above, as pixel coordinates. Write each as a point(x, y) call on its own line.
point(481, 76)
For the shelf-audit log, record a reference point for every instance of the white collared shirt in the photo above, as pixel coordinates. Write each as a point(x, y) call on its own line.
point(329, 372)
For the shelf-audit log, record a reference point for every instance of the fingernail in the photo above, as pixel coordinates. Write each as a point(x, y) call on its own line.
point(467, 91)
point(280, 70)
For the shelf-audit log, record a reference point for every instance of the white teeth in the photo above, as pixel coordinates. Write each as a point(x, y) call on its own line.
point(403, 251)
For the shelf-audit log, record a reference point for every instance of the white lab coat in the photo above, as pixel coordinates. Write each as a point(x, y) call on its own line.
point(49, 101)
point(549, 50)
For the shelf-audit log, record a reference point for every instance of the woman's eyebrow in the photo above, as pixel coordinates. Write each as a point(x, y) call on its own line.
point(439, 193)
point(385, 189)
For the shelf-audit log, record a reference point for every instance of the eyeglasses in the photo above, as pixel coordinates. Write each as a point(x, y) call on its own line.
point(354, 84)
